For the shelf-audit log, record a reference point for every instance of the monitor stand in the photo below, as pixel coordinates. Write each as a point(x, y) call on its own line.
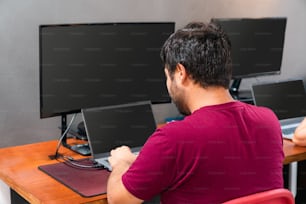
point(81, 132)
point(244, 96)
point(82, 149)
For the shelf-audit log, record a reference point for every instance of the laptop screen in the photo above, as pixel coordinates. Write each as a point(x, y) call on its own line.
point(113, 126)
point(287, 99)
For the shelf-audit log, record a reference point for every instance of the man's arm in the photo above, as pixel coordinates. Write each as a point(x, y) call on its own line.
point(121, 159)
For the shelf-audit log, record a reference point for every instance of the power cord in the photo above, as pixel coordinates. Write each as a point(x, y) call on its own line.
point(76, 163)
point(62, 137)
point(69, 159)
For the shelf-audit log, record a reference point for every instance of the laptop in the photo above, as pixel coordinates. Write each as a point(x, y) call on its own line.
point(288, 101)
point(113, 126)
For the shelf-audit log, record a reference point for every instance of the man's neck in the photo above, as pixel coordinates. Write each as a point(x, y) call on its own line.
point(200, 97)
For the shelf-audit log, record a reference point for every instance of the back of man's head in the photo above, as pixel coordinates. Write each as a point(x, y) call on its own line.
point(204, 51)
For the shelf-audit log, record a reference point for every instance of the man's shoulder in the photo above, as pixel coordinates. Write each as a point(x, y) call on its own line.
point(263, 110)
point(173, 125)
point(259, 109)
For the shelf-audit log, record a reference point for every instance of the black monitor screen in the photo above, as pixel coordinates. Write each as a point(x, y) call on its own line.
point(287, 99)
point(90, 65)
point(111, 126)
point(257, 45)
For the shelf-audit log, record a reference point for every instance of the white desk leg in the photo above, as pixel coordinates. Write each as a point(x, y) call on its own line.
point(5, 196)
point(292, 176)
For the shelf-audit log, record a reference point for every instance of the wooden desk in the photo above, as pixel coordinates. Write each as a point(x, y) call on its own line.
point(293, 153)
point(18, 169)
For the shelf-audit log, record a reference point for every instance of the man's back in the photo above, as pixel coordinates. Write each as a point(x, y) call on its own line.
point(218, 153)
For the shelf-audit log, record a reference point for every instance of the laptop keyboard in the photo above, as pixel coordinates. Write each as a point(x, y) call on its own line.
point(105, 162)
point(288, 131)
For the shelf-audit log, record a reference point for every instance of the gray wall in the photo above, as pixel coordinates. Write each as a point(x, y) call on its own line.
point(19, 70)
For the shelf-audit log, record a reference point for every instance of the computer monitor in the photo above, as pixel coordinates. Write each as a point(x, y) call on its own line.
point(286, 98)
point(256, 46)
point(90, 65)
point(100, 64)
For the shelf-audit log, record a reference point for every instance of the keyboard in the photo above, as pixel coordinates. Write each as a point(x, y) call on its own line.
point(104, 161)
point(288, 131)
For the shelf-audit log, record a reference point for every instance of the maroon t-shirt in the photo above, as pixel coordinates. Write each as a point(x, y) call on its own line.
point(218, 153)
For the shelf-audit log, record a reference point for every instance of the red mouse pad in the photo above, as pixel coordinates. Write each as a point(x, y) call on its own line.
point(80, 178)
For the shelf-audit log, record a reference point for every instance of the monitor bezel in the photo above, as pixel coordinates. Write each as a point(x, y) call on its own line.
point(263, 73)
point(72, 111)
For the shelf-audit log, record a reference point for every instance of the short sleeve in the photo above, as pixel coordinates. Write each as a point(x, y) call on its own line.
point(153, 170)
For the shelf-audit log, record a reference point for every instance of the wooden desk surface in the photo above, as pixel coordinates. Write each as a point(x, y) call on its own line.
point(18, 169)
point(293, 152)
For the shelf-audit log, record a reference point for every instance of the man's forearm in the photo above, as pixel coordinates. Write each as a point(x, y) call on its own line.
point(116, 191)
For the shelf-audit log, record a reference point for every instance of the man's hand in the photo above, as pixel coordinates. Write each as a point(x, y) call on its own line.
point(121, 156)
point(299, 136)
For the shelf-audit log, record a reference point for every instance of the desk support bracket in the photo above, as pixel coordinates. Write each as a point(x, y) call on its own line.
point(293, 170)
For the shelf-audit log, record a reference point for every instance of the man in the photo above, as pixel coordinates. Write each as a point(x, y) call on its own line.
point(299, 136)
point(223, 148)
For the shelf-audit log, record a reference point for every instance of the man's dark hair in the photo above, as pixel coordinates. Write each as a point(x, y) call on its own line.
point(204, 50)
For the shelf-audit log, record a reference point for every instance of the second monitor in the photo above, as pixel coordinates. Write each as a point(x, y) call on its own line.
point(256, 46)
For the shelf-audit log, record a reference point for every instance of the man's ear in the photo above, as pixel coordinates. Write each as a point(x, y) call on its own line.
point(181, 73)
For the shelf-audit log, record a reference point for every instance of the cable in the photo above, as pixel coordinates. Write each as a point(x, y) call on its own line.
point(63, 135)
point(69, 159)
point(73, 162)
